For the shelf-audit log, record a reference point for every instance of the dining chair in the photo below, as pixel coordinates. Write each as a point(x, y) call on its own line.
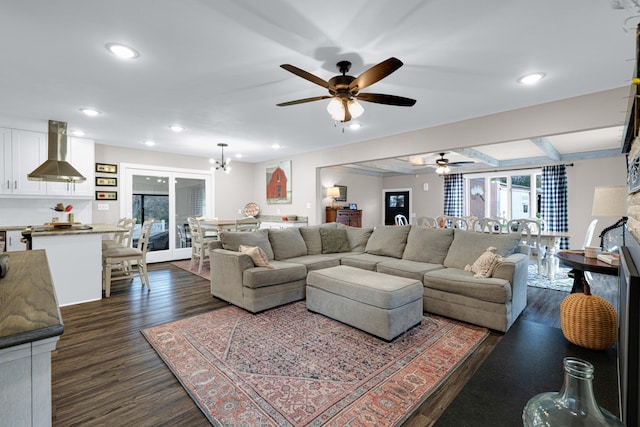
point(199, 243)
point(248, 223)
point(447, 221)
point(118, 256)
point(488, 225)
point(427, 221)
point(121, 239)
point(530, 242)
point(401, 220)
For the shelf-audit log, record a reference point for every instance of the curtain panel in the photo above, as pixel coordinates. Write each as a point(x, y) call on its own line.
point(454, 194)
point(554, 202)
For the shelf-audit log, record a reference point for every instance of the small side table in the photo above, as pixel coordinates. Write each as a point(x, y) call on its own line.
point(587, 320)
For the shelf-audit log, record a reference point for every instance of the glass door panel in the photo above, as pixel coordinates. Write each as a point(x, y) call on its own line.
point(190, 202)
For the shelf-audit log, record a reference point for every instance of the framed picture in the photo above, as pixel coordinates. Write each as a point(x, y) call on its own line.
point(279, 183)
point(107, 168)
point(106, 195)
point(343, 193)
point(353, 206)
point(633, 174)
point(102, 181)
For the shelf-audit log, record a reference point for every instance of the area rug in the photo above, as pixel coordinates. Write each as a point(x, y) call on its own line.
point(561, 282)
point(184, 264)
point(291, 367)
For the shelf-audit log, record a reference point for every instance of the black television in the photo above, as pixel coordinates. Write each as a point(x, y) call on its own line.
point(629, 334)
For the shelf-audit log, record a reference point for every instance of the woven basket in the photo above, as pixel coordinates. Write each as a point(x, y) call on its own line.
point(589, 321)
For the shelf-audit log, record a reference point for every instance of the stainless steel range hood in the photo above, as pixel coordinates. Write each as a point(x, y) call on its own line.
point(57, 168)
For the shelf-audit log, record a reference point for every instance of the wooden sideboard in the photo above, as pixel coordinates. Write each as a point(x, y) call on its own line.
point(351, 217)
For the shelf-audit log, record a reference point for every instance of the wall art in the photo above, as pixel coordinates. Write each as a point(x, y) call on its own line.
point(279, 183)
point(106, 195)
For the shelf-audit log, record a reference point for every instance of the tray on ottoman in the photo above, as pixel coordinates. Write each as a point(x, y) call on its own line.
point(380, 304)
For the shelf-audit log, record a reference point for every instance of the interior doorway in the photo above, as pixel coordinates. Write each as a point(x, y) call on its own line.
point(396, 201)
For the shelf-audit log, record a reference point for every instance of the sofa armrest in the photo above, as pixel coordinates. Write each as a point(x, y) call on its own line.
point(227, 269)
point(214, 244)
point(506, 269)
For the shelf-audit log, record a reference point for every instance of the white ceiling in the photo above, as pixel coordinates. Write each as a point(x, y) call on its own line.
point(213, 67)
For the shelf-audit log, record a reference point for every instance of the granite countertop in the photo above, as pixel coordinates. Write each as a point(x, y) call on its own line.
point(44, 230)
point(278, 218)
point(12, 227)
point(28, 305)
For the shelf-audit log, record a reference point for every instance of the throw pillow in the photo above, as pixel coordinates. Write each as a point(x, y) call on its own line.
point(334, 240)
point(257, 255)
point(231, 240)
point(467, 246)
point(484, 265)
point(388, 240)
point(311, 236)
point(287, 243)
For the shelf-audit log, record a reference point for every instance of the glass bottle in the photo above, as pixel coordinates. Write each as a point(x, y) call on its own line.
point(573, 405)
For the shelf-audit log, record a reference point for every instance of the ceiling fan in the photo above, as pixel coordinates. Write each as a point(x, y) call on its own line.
point(345, 89)
point(443, 165)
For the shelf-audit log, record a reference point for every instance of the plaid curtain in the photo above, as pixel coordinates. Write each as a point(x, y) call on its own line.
point(453, 194)
point(554, 203)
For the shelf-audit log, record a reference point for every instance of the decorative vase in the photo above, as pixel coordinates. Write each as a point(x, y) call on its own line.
point(574, 405)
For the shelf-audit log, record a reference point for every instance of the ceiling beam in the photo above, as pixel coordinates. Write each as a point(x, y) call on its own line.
point(545, 145)
point(475, 154)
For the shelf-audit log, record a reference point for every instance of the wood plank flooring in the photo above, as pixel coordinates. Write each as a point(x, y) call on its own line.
point(105, 373)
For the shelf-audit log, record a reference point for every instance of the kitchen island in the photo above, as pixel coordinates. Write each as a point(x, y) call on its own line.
point(75, 259)
point(30, 326)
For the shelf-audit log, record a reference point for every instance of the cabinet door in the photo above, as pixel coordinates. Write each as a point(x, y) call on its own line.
point(29, 150)
point(6, 171)
point(81, 155)
point(13, 241)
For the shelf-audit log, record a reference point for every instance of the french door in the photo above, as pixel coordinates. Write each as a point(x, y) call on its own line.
point(169, 197)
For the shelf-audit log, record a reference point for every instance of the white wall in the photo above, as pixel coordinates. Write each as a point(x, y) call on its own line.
point(364, 190)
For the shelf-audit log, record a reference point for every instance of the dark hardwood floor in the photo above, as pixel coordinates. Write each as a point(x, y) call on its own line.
point(104, 373)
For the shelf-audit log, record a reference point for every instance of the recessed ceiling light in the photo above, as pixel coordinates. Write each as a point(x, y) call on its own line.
point(176, 128)
point(90, 112)
point(149, 143)
point(275, 146)
point(531, 79)
point(238, 156)
point(77, 133)
point(355, 126)
point(122, 51)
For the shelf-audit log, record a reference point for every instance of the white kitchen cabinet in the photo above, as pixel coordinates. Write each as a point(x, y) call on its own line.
point(81, 155)
point(22, 153)
point(13, 243)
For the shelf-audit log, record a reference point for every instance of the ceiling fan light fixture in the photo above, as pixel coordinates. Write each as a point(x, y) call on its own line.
point(336, 109)
point(443, 169)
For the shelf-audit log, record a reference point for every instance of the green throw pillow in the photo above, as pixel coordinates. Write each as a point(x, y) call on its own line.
point(334, 240)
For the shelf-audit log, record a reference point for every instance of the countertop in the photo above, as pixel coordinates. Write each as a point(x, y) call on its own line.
point(12, 227)
point(42, 230)
point(28, 305)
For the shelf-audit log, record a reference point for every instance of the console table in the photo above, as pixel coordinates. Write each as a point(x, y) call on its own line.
point(351, 217)
point(527, 361)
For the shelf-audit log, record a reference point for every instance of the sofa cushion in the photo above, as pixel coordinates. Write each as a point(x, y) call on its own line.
point(429, 245)
point(231, 240)
point(467, 246)
point(388, 240)
point(460, 282)
point(406, 268)
point(282, 272)
point(334, 240)
point(363, 261)
point(257, 255)
point(287, 243)
point(315, 262)
point(312, 239)
point(358, 237)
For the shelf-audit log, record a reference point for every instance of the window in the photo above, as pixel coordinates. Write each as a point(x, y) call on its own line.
point(507, 194)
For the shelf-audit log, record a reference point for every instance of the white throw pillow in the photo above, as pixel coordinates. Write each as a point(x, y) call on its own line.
point(485, 264)
point(258, 255)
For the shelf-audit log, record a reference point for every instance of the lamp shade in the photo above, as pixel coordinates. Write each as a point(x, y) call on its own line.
point(333, 192)
point(610, 200)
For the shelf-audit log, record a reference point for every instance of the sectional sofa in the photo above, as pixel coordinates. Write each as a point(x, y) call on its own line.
point(435, 257)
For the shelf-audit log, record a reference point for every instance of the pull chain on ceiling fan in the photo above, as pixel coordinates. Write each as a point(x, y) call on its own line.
point(344, 89)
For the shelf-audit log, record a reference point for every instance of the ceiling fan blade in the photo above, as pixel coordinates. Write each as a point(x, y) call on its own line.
point(302, 101)
point(380, 98)
point(306, 75)
point(375, 73)
point(460, 163)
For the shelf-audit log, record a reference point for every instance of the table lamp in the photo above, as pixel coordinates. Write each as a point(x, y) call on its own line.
point(333, 192)
point(611, 200)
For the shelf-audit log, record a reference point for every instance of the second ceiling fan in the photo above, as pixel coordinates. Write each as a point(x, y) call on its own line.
point(345, 90)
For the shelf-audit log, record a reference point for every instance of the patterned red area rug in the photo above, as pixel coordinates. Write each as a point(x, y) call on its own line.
point(291, 367)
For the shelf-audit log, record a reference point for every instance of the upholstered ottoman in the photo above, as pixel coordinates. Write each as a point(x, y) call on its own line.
point(380, 304)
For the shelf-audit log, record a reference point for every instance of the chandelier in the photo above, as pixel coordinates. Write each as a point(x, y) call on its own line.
point(222, 163)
